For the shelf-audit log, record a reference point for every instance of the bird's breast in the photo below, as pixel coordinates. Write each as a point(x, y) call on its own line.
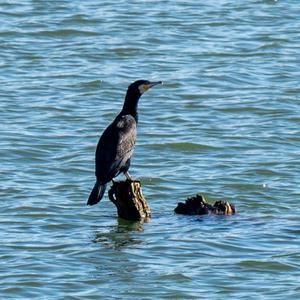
point(126, 123)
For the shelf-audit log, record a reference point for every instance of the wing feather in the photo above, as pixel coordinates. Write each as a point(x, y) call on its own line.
point(115, 147)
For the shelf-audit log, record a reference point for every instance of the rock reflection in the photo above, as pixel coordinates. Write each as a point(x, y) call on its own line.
point(118, 236)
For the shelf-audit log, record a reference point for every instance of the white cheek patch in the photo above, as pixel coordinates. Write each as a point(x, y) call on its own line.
point(143, 88)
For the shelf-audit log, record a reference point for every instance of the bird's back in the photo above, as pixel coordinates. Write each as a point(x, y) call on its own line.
point(115, 147)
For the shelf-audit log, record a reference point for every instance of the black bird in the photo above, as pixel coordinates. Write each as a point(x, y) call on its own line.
point(115, 146)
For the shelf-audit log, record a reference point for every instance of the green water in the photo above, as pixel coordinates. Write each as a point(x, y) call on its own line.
point(225, 123)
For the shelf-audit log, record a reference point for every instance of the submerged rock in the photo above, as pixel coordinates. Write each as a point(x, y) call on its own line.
point(197, 205)
point(223, 208)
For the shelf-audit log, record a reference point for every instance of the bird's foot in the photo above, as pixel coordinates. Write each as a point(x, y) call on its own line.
point(128, 177)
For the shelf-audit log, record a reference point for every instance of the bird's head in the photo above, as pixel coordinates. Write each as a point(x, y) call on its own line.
point(134, 92)
point(141, 86)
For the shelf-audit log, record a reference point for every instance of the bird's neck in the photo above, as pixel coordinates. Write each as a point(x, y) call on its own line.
point(131, 105)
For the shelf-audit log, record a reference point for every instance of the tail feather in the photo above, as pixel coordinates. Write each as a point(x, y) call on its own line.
point(96, 193)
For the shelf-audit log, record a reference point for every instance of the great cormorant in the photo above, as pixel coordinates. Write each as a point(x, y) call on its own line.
point(115, 146)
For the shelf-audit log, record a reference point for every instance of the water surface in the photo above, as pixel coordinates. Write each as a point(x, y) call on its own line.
point(225, 123)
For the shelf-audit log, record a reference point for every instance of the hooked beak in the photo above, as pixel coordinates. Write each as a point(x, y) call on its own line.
point(153, 83)
point(145, 87)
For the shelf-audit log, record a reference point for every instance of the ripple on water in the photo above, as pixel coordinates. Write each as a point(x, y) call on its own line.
point(225, 123)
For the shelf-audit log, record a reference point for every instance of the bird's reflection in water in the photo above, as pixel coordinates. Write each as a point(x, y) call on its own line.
point(118, 236)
